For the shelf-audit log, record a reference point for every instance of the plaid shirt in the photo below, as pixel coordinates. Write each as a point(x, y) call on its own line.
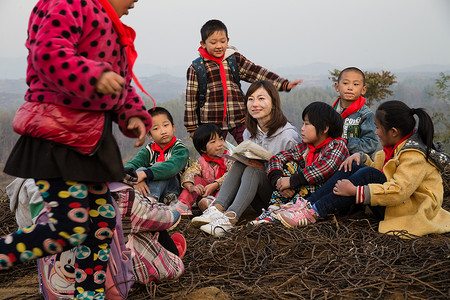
point(212, 111)
point(330, 157)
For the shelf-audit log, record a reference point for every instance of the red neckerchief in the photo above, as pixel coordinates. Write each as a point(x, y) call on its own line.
point(223, 75)
point(220, 162)
point(354, 107)
point(126, 37)
point(156, 147)
point(389, 151)
point(312, 156)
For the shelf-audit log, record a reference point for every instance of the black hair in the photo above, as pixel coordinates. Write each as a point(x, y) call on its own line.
point(396, 114)
point(277, 118)
point(160, 111)
point(321, 116)
point(212, 26)
point(354, 69)
point(203, 134)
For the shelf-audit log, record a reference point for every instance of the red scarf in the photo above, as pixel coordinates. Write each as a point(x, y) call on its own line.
point(223, 75)
point(389, 150)
point(126, 37)
point(354, 107)
point(156, 147)
point(220, 162)
point(312, 156)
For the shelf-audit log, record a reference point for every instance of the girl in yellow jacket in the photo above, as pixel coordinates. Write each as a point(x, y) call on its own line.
point(402, 185)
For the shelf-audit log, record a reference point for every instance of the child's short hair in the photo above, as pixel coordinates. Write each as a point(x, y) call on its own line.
point(212, 26)
point(354, 69)
point(321, 115)
point(203, 134)
point(160, 111)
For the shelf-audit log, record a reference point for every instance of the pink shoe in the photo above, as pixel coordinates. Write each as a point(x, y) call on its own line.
point(180, 242)
point(296, 215)
point(181, 207)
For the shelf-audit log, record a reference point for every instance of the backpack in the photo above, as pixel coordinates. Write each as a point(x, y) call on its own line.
point(199, 66)
point(57, 272)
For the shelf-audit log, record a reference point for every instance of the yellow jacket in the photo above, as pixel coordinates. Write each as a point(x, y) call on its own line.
point(413, 192)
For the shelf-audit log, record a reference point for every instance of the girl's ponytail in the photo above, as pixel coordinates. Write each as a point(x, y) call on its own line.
point(396, 114)
point(425, 128)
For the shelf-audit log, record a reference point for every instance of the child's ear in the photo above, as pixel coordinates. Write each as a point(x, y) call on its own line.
point(202, 43)
point(149, 135)
point(326, 130)
point(363, 91)
point(395, 132)
point(336, 86)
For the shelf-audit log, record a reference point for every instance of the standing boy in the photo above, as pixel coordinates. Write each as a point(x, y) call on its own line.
point(359, 122)
point(158, 165)
point(213, 93)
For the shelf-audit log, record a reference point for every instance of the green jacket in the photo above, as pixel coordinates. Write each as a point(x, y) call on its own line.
point(176, 159)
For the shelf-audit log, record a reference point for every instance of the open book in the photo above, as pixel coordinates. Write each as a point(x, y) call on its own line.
point(245, 151)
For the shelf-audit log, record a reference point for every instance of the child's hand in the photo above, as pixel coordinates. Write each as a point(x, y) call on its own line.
point(288, 193)
point(283, 183)
point(142, 188)
point(141, 175)
point(210, 188)
point(257, 164)
point(347, 164)
point(110, 83)
point(344, 187)
point(136, 125)
point(293, 84)
point(199, 189)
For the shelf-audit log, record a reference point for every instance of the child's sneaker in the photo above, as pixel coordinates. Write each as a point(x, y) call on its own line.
point(219, 226)
point(296, 216)
point(206, 202)
point(265, 216)
point(208, 216)
point(177, 219)
point(181, 207)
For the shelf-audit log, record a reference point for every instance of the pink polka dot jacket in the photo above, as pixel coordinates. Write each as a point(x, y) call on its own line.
point(71, 43)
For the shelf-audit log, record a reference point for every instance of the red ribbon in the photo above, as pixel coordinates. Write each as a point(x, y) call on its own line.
point(156, 147)
point(223, 75)
point(312, 156)
point(389, 150)
point(126, 37)
point(354, 107)
point(220, 162)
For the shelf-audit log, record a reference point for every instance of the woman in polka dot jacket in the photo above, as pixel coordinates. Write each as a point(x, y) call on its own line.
point(79, 73)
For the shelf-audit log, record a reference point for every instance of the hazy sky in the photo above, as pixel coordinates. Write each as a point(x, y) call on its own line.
point(377, 34)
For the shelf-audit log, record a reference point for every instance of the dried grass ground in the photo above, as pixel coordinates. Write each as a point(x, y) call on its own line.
point(339, 258)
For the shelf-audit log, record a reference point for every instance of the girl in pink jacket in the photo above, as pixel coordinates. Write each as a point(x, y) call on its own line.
point(79, 71)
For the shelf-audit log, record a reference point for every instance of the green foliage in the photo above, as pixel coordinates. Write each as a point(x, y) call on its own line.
point(441, 121)
point(377, 85)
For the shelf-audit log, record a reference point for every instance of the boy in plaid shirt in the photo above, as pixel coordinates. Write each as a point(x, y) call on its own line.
point(226, 112)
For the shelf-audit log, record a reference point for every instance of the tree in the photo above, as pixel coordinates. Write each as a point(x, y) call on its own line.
point(441, 109)
point(377, 84)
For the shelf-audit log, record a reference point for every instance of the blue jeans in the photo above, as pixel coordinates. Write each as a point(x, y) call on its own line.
point(326, 202)
point(160, 188)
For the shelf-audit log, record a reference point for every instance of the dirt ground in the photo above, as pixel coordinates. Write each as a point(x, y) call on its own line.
point(338, 258)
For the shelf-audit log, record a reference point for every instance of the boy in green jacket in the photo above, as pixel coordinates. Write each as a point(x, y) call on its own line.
point(158, 165)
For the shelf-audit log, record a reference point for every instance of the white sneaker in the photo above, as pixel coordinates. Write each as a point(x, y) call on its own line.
point(208, 216)
point(219, 226)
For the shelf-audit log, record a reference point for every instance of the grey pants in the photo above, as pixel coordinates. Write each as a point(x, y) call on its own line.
point(244, 186)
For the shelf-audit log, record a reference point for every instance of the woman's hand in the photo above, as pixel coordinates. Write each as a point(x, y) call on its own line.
point(293, 84)
point(344, 187)
point(257, 164)
point(347, 164)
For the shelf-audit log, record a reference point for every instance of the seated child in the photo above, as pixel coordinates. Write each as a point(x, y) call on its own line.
point(402, 186)
point(202, 180)
point(158, 164)
point(297, 172)
point(359, 125)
